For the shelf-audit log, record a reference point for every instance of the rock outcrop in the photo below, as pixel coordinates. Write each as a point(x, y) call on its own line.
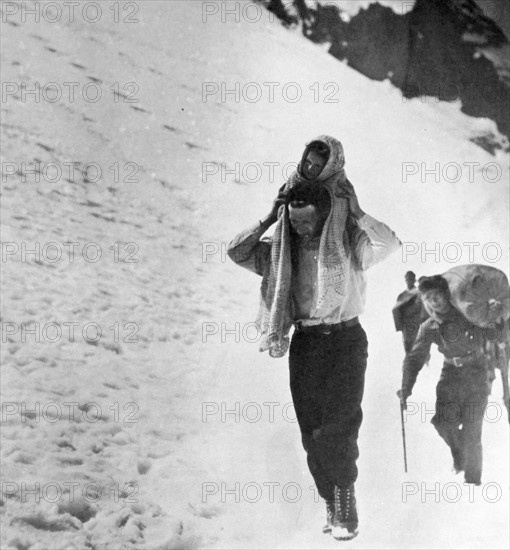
point(444, 48)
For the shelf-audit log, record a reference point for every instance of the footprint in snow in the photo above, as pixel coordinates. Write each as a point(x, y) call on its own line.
point(171, 128)
point(45, 147)
point(79, 509)
point(139, 109)
point(63, 444)
point(143, 466)
point(207, 512)
point(191, 145)
point(70, 460)
point(23, 458)
point(64, 522)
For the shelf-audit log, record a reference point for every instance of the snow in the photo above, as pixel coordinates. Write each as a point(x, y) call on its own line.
point(146, 436)
point(350, 7)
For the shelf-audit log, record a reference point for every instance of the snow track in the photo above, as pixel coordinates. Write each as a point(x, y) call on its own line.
point(145, 451)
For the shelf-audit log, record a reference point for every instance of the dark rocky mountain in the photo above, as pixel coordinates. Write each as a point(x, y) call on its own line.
point(449, 49)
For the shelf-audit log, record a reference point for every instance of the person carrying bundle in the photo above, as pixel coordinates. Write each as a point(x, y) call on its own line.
point(463, 388)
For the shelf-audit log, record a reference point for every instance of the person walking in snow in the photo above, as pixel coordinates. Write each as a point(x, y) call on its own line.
point(409, 312)
point(313, 277)
point(462, 391)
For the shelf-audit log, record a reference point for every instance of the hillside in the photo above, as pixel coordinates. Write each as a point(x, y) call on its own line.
point(130, 419)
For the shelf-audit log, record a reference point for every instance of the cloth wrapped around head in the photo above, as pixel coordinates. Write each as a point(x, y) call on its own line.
point(276, 313)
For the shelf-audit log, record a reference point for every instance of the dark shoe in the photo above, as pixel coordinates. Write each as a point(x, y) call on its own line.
point(345, 519)
point(477, 483)
point(330, 511)
point(475, 480)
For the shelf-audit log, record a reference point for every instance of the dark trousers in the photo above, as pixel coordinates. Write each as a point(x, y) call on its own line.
point(327, 379)
point(409, 339)
point(461, 400)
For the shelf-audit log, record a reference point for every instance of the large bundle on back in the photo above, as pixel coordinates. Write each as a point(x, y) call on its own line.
point(480, 292)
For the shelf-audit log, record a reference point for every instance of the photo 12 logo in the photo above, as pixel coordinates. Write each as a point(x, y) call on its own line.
point(252, 492)
point(53, 332)
point(453, 412)
point(453, 92)
point(451, 492)
point(271, 92)
point(69, 92)
point(452, 252)
point(70, 12)
point(69, 172)
point(68, 252)
point(235, 12)
point(70, 491)
point(69, 411)
point(251, 412)
point(451, 172)
point(248, 332)
point(249, 172)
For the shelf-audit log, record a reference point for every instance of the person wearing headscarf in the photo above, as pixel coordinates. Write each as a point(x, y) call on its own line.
point(313, 278)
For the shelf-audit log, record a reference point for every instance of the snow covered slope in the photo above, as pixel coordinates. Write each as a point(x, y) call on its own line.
point(125, 437)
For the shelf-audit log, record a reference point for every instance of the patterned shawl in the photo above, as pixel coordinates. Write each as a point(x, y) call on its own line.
point(276, 308)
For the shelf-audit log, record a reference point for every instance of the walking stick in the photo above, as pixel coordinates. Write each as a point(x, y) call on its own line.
point(403, 434)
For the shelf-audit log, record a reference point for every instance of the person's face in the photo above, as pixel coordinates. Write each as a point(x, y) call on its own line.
point(313, 164)
point(305, 221)
point(436, 300)
point(410, 280)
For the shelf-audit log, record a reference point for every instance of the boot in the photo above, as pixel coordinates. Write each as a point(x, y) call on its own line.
point(345, 518)
point(330, 512)
point(474, 480)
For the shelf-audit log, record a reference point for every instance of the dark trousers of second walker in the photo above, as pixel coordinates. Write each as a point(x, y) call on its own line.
point(327, 378)
point(460, 406)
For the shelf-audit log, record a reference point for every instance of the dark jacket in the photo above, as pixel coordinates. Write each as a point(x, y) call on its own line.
point(454, 336)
